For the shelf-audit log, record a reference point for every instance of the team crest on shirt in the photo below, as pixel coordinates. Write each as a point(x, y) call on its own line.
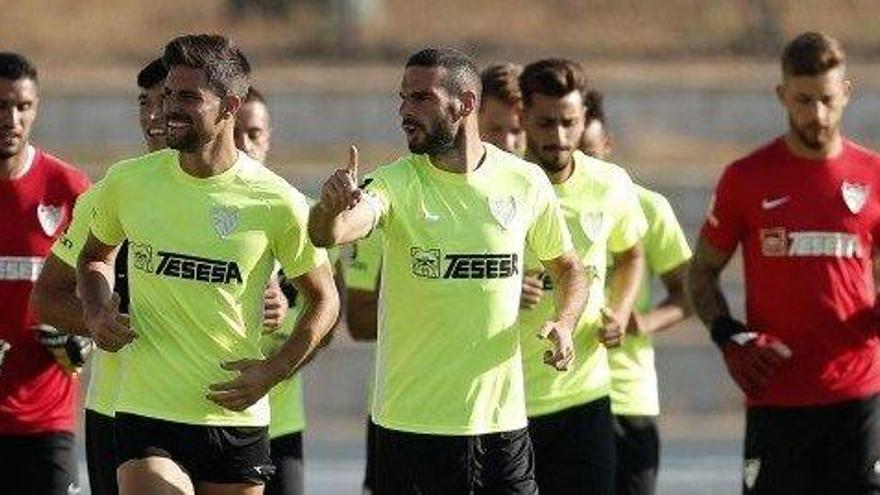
point(504, 210)
point(225, 219)
point(854, 195)
point(50, 218)
point(591, 222)
point(751, 469)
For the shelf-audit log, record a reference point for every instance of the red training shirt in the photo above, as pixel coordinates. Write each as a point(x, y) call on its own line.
point(35, 394)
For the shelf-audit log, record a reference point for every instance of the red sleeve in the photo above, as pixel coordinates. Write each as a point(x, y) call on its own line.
point(724, 227)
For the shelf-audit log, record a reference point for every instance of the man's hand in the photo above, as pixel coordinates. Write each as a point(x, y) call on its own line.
point(275, 306)
point(110, 329)
point(69, 351)
point(635, 326)
point(532, 290)
point(254, 380)
point(612, 331)
point(341, 192)
point(753, 363)
point(559, 334)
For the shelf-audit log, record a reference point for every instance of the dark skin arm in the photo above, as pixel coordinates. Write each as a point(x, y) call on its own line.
point(54, 297)
point(671, 310)
point(703, 285)
point(109, 328)
point(361, 313)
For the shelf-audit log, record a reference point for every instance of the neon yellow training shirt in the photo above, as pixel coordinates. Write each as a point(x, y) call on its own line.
point(104, 366)
point(448, 358)
point(603, 213)
point(365, 262)
point(200, 255)
point(633, 376)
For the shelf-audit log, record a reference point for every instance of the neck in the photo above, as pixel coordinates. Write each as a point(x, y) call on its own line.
point(798, 148)
point(467, 153)
point(12, 167)
point(214, 158)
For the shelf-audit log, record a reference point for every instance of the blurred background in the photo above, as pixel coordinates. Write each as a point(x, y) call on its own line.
point(688, 83)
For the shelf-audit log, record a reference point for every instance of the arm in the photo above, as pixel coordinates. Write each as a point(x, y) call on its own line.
point(703, 283)
point(94, 281)
point(571, 298)
point(671, 310)
point(361, 314)
point(258, 376)
point(626, 279)
point(54, 297)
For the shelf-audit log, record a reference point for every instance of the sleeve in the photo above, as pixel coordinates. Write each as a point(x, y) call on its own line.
point(629, 220)
point(548, 237)
point(666, 246)
point(724, 227)
point(362, 268)
point(68, 246)
point(290, 242)
point(378, 195)
point(105, 224)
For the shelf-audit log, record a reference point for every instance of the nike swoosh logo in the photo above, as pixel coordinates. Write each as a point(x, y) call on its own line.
point(769, 204)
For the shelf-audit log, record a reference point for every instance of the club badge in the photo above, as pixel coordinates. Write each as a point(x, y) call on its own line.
point(854, 196)
point(50, 218)
point(504, 210)
point(225, 220)
point(591, 222)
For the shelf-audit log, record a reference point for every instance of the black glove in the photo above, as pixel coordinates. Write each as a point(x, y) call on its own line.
point(69, 351)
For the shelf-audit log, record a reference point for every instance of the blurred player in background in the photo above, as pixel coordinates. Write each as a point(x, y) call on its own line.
point(635, 399)
point(455, 216)
point(38, 387)
point(500, 114)
point(54, 296)
point(805, 209)
point(206, 224)
point(570, 414)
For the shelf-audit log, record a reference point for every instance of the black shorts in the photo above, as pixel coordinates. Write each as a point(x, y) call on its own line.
point(414, 463)
point(574, 449)
point(214, 454)
point(638, 454)
point(41, 463)
point(370, 468)
point(286, 453)
point(101, 453)
point(813, 450)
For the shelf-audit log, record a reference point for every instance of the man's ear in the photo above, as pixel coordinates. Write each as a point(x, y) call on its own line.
point(231, 104)
point(468, 104)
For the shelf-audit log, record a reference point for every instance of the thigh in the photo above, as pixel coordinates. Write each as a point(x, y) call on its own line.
point(46, 464)
point(777, 450)
point(574, 450)
point(100, 453)
point(505, 464)
point(638, 454)
point(153, 476)
point(412, 463)
point(849, 458)
point(286, 452)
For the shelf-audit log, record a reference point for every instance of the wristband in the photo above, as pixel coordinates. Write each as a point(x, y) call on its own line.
point(724, 329)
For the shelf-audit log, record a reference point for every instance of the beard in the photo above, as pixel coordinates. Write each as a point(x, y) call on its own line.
point(550, 161)
point(814, 138)
point(189, 142)
point(437, 140)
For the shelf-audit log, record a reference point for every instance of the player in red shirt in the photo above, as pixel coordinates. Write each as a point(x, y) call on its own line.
point(806, 211)
point(37, 194)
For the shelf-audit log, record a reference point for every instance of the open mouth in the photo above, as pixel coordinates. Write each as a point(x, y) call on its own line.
point(156, 131)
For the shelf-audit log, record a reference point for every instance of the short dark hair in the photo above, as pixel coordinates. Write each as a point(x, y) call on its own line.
point(152, 74)
point(461, 71)
point(502, 81)
point(555, 77)
point(812, 54)
point(595, 105)
point(254, 96)
point(14, 66)
point(226, 68)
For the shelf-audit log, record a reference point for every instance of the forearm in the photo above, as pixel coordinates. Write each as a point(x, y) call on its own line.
point(666, 314)
point(94, 283)
point(625, 283)
point(704, 293)
point(571, 294)
point(61, 308)
point(361, 315)
point(318, 317)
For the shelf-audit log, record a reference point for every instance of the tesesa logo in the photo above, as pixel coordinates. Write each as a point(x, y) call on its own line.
point(778, 241)
point(185, 266)
point(427, 263)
